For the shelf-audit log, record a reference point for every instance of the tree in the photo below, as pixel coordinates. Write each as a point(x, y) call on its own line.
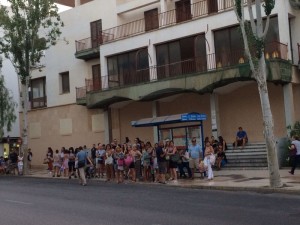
point(7, 107)
point(254, 33)
point(29, 28)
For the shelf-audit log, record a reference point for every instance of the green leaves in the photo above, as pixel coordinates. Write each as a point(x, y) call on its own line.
point(29, 28)
point(269, 6)
point(7, 108)
point(238, 4)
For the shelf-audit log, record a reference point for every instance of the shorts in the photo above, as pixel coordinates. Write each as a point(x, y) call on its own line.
point(131, 166)
point(146, 163)
point(194, 163)
point(172, 164)
point(162, 167)
point(121, 168)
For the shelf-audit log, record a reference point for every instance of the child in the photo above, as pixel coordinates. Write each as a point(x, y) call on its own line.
point(20, 164)
point(120, 164)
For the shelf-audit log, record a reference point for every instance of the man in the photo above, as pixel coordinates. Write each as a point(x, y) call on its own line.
point(241, 138)
point(162, 162)
point(195, 154)
point(81, 157)
point(296, 160)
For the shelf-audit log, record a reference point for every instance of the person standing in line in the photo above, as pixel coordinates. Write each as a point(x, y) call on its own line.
point(173, 160)
point(56, 163)
point(49, 156)
point(296, 157)
point(120, 164)
point(71, 163)
point(93, 154)
point(109, 162)
point(195, 154)
point(209, 151)
point(29, 158)
point(162, 162)
point(20, 163)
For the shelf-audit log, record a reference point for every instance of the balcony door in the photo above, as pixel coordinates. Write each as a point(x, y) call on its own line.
point(183, 10)
point(151, 19)
point(212, 6)
point(96, 33)
point(96, 70)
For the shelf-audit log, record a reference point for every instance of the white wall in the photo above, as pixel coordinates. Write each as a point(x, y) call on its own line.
point(11, 82)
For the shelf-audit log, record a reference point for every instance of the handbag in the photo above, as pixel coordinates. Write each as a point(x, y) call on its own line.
point(128, 160)
point(46, 161)
point(175, 157)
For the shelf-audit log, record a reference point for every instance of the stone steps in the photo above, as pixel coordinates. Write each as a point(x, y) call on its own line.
point(252, 156)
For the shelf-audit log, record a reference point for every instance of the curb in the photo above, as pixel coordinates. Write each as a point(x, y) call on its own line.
point(261, 190)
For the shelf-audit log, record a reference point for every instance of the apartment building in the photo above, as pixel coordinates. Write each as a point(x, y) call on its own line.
point(120, 61)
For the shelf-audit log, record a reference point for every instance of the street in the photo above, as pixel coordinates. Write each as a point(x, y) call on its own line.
point(31, 201)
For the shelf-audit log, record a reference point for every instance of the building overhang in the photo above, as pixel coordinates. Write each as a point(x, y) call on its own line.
point(70, 3)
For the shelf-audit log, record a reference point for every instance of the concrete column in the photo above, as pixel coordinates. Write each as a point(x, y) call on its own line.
point(210, 49)
point(155, 113)
point(77, 3)
point(289, 107)
point(152, 61)
point(283, 27)
point(104, 72)
point(107, 126)
point(115, 125)
point(163, 8)
point(215, 118)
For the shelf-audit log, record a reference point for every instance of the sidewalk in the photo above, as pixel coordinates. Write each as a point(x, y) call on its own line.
point(231, 180)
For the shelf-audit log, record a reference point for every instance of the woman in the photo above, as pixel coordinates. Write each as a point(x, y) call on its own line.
point(71, 163)
point(173, 156)
point(147, 155)
point(65, 163)
point(223, 143)
point(220, 156)
point(108, 162)
point(119, 155)
point(135, 165)
point(208, 153)
point(49, 156)
point(100, 161)
point(56, 163)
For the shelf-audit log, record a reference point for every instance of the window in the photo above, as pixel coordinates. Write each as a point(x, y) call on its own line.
point(183, 10)
point(128, 68)
point(38, 93)
point(96, 77)
point(64, 83)
point(212, 6)
point(229, 45)
point(96, 33)
point(181, 56)
point(151, 19)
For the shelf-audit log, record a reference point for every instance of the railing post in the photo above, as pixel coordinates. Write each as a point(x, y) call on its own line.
point(298, 55)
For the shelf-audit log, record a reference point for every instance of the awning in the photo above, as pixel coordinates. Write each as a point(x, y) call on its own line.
point(178, 118)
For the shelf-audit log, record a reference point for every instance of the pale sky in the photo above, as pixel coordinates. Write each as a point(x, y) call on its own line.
point(60, 7)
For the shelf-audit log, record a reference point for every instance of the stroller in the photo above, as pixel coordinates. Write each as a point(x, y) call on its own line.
point(90, 171)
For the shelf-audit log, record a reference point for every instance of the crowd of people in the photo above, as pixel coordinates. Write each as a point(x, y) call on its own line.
point(138, 161)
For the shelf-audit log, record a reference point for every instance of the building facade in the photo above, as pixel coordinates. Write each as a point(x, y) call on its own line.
point(123, 60)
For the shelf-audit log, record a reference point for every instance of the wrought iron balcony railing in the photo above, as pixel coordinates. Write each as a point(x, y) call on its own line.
point(214, 61)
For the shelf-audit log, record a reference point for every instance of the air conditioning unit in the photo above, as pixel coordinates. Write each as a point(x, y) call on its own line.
point(295, 4)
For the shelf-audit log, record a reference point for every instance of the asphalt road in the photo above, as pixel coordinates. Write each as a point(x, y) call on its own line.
point(29, 201)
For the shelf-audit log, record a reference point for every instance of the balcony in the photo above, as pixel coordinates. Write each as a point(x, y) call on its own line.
point(87, 49)
point(165, 19)
point(200, 75)
point(81, 95)
point(37, 103)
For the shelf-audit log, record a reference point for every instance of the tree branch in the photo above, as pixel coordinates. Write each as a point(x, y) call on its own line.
point(253, 26)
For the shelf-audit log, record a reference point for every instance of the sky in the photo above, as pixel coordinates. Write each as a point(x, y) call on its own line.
point(60, 7)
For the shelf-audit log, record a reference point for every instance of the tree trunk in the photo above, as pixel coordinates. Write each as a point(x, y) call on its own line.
point(273, 166)
point(24, 133)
